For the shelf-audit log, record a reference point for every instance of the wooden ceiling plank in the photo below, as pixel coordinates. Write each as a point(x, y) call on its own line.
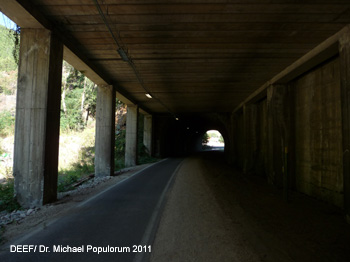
point(234, 26)
point(208, 51)
point(148, 2)
point(208, 40)
point(19, 14)
point(206, 18)
point(208, 46)
point(189, 8)
point(139, 35)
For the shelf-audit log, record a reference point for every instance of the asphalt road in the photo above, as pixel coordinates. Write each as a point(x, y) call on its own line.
point(108, 227)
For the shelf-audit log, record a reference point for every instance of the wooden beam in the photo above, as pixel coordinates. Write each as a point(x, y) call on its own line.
point(26, 15)
point(145, 2)
point(18, 14)
point(78, 64)
point(200, 18)
point(213, 27)
point(189, 8)
point(205, 35)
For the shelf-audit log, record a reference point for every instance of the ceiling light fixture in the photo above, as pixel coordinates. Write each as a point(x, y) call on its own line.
point(148, 95)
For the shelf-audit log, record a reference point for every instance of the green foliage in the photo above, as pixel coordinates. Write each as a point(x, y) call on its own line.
point(87, 158)
point(75, 79)
point(119, 150)
point(8, 82)
point(7, 199)
point(221, 139)
point(81, 168)
point(90, 98)
point(205, 138)
point(66, 180)
point(72, 119)
point(9, 48)
point(120, 143)
point(7, 122)
point(84, 165)
point(143, 156)
point(213, 134)
point(2, 151)
point(78, 97)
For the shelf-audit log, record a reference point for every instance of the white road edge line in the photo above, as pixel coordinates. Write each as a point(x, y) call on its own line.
point(45, 225)
point(152, 224)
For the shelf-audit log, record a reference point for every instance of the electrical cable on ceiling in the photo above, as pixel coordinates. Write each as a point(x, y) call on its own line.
point(122, 50)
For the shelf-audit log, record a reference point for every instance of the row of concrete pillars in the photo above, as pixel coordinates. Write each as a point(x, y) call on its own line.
point(276, 116)
point(37, 127)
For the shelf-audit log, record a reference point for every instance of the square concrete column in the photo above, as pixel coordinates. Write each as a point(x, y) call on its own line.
point(105, 131)
point(250, 136)
point(344, 53)
point(231, 144)
point(131, 135)
point(147, 133)
point(37, 117)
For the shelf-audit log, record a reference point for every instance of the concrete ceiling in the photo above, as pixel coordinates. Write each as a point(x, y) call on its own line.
point(193, 56)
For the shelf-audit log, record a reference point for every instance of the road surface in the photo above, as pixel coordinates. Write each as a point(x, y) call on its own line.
point(116, 225)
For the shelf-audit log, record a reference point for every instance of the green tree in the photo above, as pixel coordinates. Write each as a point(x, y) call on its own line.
point(9, 49)
point(205, 138)
point(7, 123)
point(78, 99)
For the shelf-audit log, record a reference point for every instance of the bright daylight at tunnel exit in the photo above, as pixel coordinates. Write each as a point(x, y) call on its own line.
point(142, 130)
point(213, 140)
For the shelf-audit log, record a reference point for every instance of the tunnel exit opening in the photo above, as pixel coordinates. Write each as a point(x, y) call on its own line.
point(212, 140)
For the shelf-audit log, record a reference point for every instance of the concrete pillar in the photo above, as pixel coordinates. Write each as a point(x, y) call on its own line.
point(105, 131)
point(147, 133)
point(37, 117)
point(131, 135)
point(250, 136)
point(245, 138)
point(234, 139)
point(344, 53)
point(279, 135)
point(231, 141)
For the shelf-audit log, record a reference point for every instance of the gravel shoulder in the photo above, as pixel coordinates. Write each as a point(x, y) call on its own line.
point(42, 216)
point(215, 213)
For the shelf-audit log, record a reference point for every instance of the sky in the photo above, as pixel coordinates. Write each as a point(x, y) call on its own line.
point(5, 21)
